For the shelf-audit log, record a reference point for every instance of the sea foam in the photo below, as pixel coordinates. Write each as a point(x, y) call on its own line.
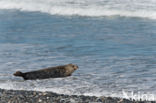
point(91, 8)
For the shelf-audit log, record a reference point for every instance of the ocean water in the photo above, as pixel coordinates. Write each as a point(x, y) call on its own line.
point(112, 41)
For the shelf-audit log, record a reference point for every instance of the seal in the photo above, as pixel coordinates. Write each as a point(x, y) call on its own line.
point(51, 72)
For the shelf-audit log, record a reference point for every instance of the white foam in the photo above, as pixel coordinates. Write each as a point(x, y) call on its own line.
point(71, 91)
point(93, 8)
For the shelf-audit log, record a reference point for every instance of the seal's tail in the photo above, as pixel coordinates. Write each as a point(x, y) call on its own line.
point(18, 73)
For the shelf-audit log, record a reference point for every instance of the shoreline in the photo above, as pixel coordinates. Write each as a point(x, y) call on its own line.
point(23, 96)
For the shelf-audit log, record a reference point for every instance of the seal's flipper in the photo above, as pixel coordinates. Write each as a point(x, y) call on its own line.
point(18, 73)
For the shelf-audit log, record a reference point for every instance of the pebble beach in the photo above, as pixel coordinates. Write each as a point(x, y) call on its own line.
point(21, 96)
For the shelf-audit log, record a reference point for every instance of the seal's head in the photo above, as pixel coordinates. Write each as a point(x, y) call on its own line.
point(18, 73)
point(70, 68)
point(75, 67)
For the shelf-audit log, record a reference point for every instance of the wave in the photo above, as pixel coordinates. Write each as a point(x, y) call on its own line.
point(92, 8)
point(69, 90)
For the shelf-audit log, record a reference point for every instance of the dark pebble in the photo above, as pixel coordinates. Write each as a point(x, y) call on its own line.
point(21, 96)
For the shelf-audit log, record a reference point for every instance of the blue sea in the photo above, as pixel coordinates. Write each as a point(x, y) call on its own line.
point(112, 41)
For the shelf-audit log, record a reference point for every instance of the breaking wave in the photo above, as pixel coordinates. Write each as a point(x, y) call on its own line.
point(92, 8)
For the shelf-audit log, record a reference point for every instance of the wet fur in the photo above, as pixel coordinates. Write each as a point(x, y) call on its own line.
point(51, 72)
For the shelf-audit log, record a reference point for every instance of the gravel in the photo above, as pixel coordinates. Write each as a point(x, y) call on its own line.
point(22, 96)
